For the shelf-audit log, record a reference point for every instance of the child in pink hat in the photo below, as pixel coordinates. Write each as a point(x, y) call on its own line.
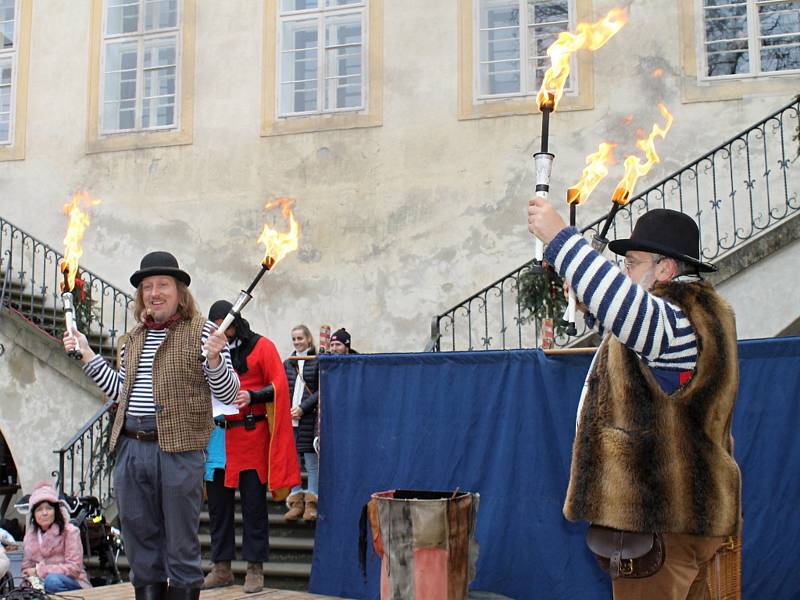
point(52, 551)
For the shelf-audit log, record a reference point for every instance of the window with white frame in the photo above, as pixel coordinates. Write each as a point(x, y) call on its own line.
point(8, 50)
point(140, 65)
point(321, 56)
point(513, 37)
point(750, 37)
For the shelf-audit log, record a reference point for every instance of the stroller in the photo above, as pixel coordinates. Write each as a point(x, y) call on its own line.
point(100, 539)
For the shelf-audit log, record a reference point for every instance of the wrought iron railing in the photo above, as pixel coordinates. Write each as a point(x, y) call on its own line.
point(33, 266)
point(84, 463)
point(735, 192)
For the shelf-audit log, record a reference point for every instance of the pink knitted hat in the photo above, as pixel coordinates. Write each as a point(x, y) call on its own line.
point(43, 490)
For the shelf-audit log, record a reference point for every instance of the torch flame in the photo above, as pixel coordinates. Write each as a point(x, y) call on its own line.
point(278, 244)
point(593, 173)
point(634, 168)
point(78, 222)
point(589, 36)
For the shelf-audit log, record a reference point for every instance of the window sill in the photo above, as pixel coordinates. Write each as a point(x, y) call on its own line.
point(709, 90)
point(12, 152)
point(325, 122)
point(136, 140)
point(520, 106)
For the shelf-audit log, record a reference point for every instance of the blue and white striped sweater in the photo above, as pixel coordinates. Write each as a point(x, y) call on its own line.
point(656, 330)
point(223, 381)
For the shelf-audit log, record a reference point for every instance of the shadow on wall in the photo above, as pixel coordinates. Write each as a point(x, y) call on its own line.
point(9, 488)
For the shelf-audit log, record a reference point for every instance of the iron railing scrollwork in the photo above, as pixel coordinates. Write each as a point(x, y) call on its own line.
point(32, 266)
point(735, 192)
point(84, 463)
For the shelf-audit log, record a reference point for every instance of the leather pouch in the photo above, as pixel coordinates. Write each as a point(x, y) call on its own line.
point(626, 553)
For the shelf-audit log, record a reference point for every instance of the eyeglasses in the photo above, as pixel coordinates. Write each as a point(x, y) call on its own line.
point(631, 263)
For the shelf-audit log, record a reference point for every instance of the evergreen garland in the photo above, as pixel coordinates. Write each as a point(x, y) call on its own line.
point(541, 296)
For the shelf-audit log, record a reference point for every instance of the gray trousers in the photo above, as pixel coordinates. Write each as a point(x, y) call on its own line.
point(159, 496)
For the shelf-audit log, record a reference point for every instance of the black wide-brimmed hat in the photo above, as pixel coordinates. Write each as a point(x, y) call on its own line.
point(159, 263)
point(667, 232)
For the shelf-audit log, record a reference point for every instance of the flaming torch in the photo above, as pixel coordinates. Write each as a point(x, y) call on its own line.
point(634, 169)
point(278, 244)
point(68, 266)
point(593, 173)
point(589, 36)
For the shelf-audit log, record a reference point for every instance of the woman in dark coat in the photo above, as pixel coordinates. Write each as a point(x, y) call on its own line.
point(303, 377)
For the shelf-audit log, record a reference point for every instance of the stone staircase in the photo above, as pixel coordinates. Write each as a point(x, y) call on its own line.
point(45, 315)
point(291, 548)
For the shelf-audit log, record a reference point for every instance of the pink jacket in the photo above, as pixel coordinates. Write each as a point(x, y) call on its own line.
point(57, 553)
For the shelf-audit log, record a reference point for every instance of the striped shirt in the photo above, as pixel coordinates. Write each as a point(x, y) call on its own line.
point(223, 381)
point(658, 331)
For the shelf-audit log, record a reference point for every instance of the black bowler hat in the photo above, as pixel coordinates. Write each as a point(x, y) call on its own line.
point(668, 232)
point(159, 263)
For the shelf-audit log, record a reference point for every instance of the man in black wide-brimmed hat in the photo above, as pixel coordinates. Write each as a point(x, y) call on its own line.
point(653, 447)
point(162, 425)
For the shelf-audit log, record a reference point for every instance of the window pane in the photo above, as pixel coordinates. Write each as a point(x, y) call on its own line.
point(7, 23)
point(159, 79)
point(779, 24)
point(726, 35)
point(289, 5)
point(158, 112)
point(5, 72)
point(160, 53)
point(343, 62)
point(298, 97)
point(160, 14)
point(119, 116)
point(546, 20)
point(549, 11)
point(119, 86)
point(501, 77)
point(499, 22)
point(335, 3)
point(5, 128)
point(122, 16)
point(299, 68)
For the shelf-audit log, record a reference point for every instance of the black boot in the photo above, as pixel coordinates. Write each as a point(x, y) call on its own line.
point(152, 591)
point(179, 593)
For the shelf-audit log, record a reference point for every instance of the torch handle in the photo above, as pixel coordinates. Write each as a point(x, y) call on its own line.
point(610, 219)
point(69, 321)
point(226, 322)
point(254, 283)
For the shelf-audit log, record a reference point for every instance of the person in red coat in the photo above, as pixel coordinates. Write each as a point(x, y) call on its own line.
point(253, 450)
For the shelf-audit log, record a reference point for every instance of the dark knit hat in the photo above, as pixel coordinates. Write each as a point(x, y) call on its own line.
point(341, 335)
point(668, 232)
point(159, 263)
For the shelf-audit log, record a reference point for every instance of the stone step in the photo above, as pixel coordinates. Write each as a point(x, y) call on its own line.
point(282, 549)
point(280, 575)
point(278, 526)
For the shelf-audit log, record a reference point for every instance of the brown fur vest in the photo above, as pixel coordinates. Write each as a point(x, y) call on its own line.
point(180, 391)
point(646, 461)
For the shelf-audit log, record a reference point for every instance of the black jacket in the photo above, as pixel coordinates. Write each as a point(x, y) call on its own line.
point(304, 432)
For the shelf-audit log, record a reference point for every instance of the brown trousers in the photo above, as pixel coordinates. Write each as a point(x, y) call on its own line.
point(683, 575)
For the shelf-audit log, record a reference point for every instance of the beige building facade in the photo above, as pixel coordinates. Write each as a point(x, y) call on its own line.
point(411, 173)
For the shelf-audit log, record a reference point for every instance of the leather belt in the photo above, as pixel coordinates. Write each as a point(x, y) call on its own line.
point(142, 436)
point(228, 424)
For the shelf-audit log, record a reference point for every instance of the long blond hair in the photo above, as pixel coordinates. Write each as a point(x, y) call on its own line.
point(187, 307)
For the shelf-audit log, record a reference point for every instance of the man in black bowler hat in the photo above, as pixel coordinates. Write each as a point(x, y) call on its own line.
point(162, 425)
point(653, 452)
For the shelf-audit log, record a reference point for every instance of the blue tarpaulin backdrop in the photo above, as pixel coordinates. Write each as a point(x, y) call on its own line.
point(502, 424)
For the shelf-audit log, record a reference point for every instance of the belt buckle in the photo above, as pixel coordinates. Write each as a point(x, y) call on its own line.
point(142, 435)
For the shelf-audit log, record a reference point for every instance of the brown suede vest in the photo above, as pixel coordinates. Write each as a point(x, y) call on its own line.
point(180, 390)
point(646, 461)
